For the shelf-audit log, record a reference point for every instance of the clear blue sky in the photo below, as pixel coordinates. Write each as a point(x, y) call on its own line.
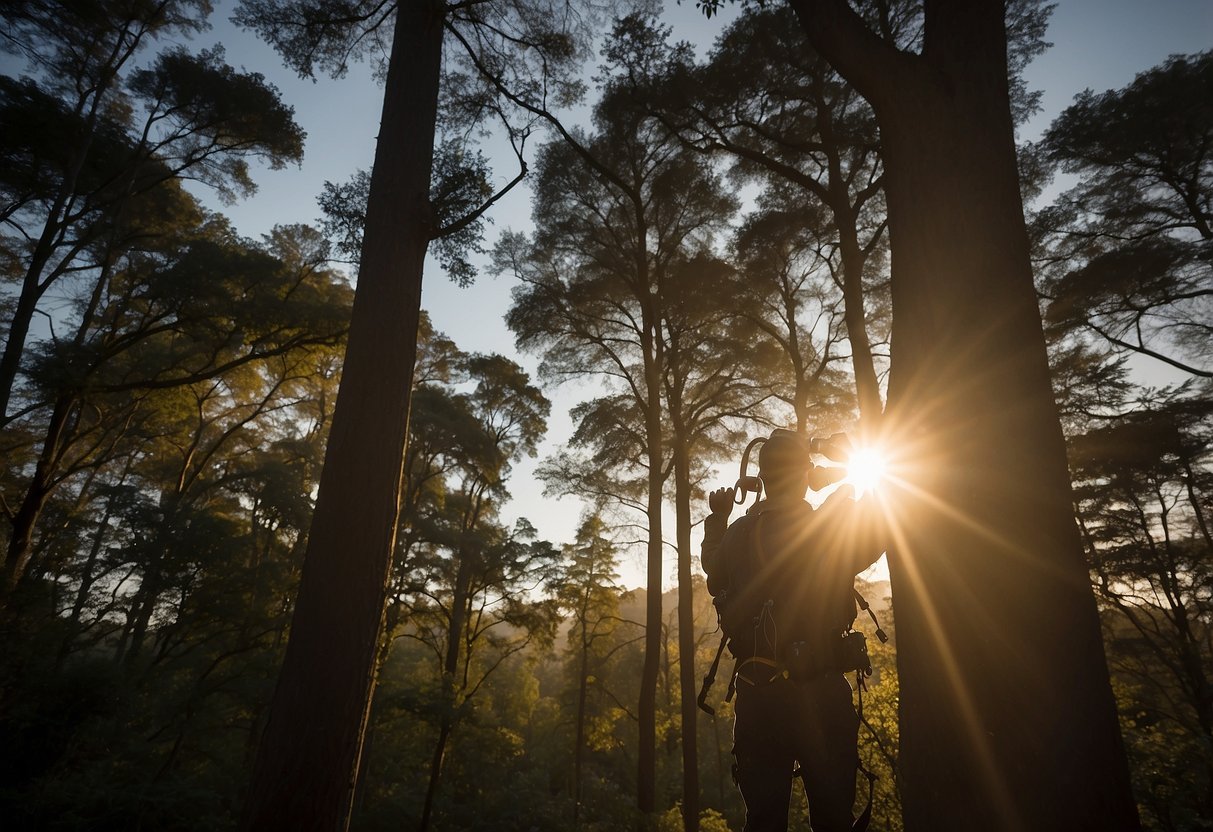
point(1098, 44)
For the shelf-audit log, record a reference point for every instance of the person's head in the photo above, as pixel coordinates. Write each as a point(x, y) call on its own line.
point(783, 464)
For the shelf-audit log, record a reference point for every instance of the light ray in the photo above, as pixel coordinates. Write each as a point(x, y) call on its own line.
point(903, 553)
point(950, 512)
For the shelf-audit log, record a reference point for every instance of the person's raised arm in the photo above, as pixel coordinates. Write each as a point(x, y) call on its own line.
point(714, 527)
point(859, 527)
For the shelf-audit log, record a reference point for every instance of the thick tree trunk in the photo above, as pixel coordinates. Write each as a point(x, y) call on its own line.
point(1007, 716)
point(307, 763)
point(686, 636)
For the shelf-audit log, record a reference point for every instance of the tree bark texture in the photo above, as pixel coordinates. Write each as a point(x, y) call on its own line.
point(307, 763)
point(1007, 717)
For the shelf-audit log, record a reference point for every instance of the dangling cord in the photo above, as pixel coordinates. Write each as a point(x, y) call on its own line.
point(865, 818)
point(773, 639)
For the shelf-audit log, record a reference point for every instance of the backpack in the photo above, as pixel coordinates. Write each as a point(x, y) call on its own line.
point(784, 597)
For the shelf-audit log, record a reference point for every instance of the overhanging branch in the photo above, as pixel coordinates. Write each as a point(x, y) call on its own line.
point(872, 65)
point(469, 218)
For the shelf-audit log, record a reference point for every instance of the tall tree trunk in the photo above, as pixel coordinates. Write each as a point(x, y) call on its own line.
point(582, 697)
point(152, 584)
point(308, 760)
point(583, 683)
point(1007, 716)
point(686, 632)
point(854, 261)
point(18, 331)
point(450, 669)
point(391, 620)
point(431, 790)
point(867, 385)
point(58, 438)
point(37, 493)
point(36, 282)
point(142, 608)
point(87, 576)
point(646, 786)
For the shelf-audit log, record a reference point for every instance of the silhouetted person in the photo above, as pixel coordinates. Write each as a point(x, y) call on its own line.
point(783, 576)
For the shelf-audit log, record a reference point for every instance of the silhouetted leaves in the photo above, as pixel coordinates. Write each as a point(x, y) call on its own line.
point(1130, 254)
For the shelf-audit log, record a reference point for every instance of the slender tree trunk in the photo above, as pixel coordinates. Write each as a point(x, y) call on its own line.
point(141, 611)
point(41, 486)
point(58, 438)
point(86, 580)
point(14, 344)
point(431, 790)
point(391, 620)
point(646, 786)
point(153, 583)
point(867, 385)
point(686, 634)
point(364, 769)
point(35, 283)
point(307, 764)
point(1007, 716)
point(450, 668)
point(583, 683)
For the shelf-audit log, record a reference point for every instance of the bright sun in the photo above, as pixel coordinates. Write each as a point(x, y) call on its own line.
point(865, 469)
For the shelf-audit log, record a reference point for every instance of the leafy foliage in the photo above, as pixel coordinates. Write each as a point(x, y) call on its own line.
point(460, 186)
point(1129, 254)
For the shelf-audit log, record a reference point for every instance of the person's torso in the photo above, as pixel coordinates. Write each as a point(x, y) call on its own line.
point(787, 583)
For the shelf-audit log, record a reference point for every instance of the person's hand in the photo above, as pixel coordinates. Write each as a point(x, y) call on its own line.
point(721, 501)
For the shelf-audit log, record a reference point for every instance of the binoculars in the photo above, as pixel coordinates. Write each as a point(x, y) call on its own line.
point(836, 447)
